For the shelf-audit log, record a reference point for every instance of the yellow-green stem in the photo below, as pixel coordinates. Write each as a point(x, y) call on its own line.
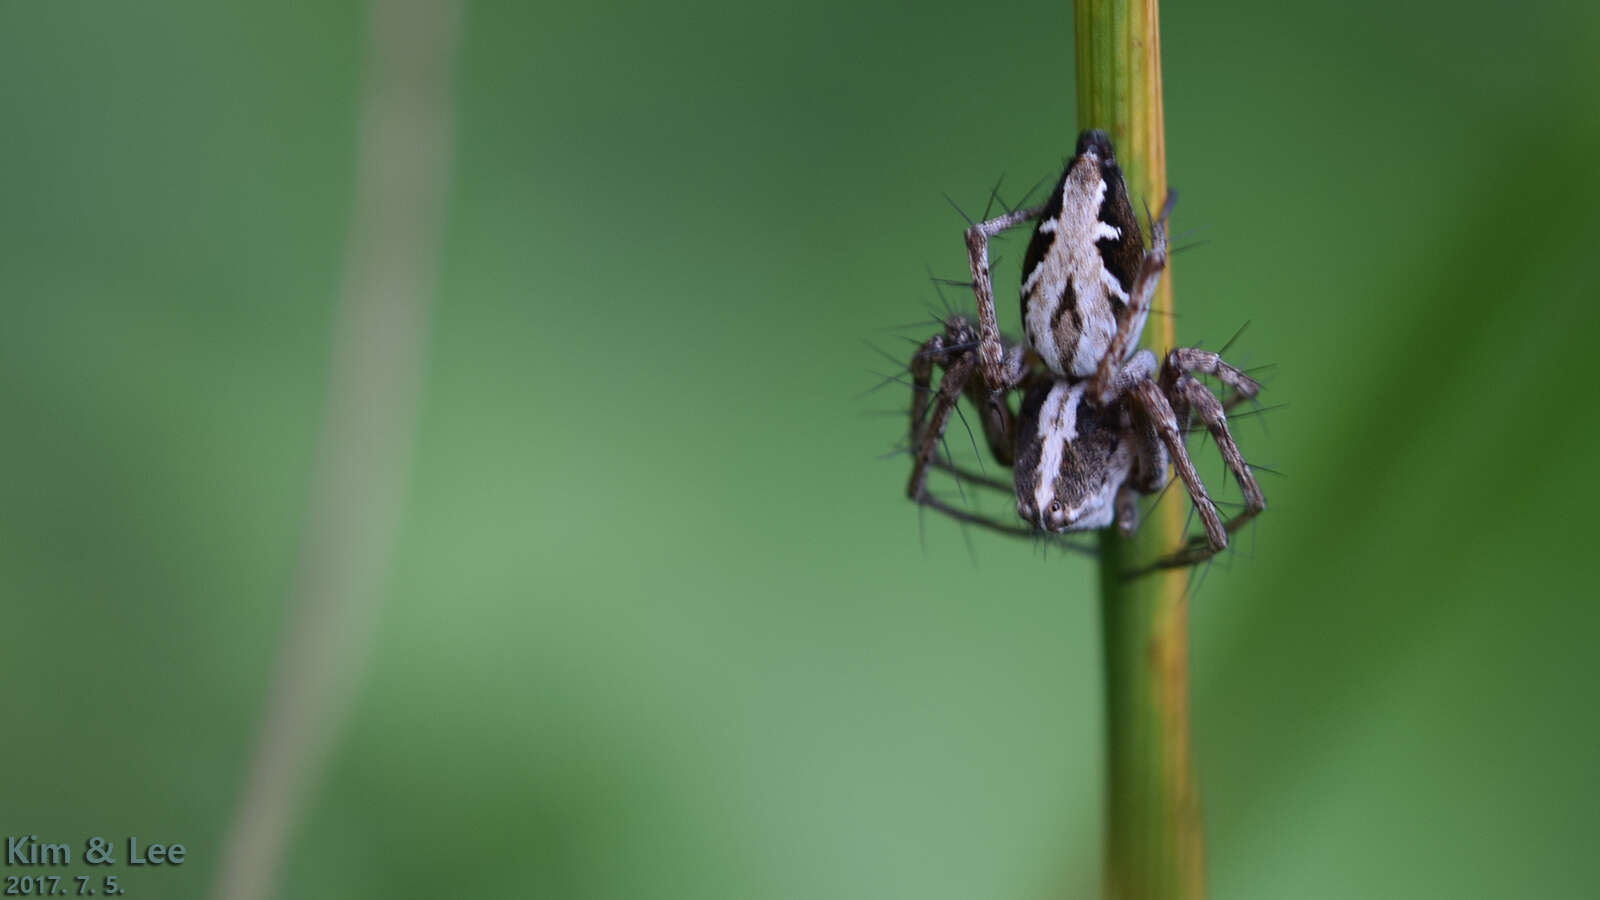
point(1154, 841)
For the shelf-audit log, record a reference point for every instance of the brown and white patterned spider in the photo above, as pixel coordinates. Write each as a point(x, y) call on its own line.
point(1098, 422)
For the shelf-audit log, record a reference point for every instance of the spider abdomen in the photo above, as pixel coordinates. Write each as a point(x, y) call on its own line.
point(1081, 263)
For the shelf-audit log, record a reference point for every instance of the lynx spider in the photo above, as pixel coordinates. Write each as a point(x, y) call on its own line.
point(1098, 421)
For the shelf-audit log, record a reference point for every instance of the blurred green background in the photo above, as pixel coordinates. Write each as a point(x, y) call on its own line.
point(661, 623)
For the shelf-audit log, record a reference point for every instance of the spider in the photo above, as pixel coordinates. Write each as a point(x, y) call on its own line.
point(1099, 421)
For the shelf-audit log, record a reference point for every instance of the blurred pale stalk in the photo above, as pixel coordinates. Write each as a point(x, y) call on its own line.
point(364, 450)
point(1154, 846)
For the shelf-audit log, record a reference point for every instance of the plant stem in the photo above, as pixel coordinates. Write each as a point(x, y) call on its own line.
point(364, 451)
point(1154, 841)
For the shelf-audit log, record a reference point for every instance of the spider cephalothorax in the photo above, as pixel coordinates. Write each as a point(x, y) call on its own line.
point(1099, 420)
point(1071, 458)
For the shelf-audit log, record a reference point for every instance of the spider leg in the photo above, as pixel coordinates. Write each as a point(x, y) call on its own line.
point(1187, 393)
point(921, 371)
point(1196, 550)
point(962, 515)
point(931, 410)
point(1209, 408)
point(1127, 509)
point(1150, 474)
point(1212, 414)
point(1103, 389)
point(1160, 416)
point(1141, 367)
point(1006, 528)
point(927, 425)
point(964, 474)
point(1195, 361)
point(991, 350)
point(994, 409)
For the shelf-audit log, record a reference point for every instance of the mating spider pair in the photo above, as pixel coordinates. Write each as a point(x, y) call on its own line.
point(1099, 423)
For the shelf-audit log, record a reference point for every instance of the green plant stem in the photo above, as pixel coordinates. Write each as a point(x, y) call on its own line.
point(1154, 840)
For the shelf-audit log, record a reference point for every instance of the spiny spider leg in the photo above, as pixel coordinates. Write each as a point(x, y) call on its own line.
point(999, 423)
point(1209, 408)
point(1192, 395)
point(961, 515)
point(921, 371)
point(1160, 416)
point(1187, 393)
point(954, 351)
point(1103, 389)
point(990, 348)
point(1198, 549)
point(972, 477)
point(1195, 361)
point(1151, 472)
point(926, 440)
point(1142, 367)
